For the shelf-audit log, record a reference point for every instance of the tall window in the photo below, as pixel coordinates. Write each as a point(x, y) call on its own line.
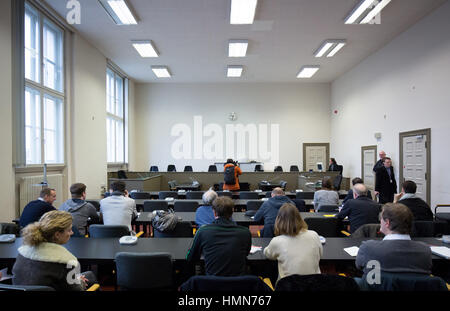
point(115, 117)
point(44, 91)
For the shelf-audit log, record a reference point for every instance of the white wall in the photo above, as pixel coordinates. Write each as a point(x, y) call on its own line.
point(7, 211)
point(402, 87)
point(301, 110)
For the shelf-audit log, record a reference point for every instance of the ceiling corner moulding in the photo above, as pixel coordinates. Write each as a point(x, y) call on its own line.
point(307, 71)
point(120, 11)
point(234, 71)
point(237, 48)
point(242, 12)
point(365, 11)
point(330, 47)
point(161, 71)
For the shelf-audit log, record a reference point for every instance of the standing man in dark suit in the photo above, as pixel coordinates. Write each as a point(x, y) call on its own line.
point(385, 183)
point(35, 209)
point(379, 163)
point(360, 211)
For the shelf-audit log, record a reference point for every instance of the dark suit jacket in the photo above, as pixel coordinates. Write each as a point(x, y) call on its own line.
point(419, 208)
point(33, 212)
point(360, 211)
point(384, 186)
point(349, 195)
point(377, 165)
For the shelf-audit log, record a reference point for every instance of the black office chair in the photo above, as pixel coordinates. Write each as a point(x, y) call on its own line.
point(96, 204)
point(154, 168)
point(337, 182)
point(185, 206)
point(294, 168)
point(144, 271)
point(121, 174)
point(340, 169)
point(212, 168)
point(253, 205)
point(268, 194)
point(182, 229)
point(167, 194)
point(422, 228)
point(106, 231)
point(225, 194)
point(278, 169)
point(194, 195)
point(25, 288)
point(140, 195)
point(248, 195)
point(316, 283)
point(328, 208)
point(9, 228)
point(154, 205)
point(171, 168)
point(304, 195)
point(208, 283)
point(188, 168)
point(259, 168)
point(283, 185)
point(301, 205)
point(324, 226)
point(368, 231)
point(409, 282)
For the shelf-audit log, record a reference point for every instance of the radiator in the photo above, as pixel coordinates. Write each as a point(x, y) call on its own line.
point(29, 189)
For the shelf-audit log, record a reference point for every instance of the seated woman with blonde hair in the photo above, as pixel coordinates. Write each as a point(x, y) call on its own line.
point(297, 249)
point(42, 260)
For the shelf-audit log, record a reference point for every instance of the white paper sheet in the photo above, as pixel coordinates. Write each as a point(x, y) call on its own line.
point(442, 251)
point(255, 249)
point(352, 251)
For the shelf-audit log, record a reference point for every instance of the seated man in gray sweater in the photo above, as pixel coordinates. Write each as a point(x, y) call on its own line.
point(81, 210)
point(396, 252)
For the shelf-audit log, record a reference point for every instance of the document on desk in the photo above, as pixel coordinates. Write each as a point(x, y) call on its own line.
point(442, 251)
point(255, 249)
point(352, 251)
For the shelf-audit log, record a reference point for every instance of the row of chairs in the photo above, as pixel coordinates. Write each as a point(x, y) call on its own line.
point(213, 168)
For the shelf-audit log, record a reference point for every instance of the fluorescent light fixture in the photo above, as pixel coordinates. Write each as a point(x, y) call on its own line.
point(329, 47)
point(119, 11)
point(360, 12)
point(307, 71)
point(234, 71)
point(161, 71)
point(237, 48)
point(242, 11)
point(145, 48)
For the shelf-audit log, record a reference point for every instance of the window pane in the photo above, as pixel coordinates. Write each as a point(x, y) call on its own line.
point(110, 91)
point(31, 27)
point(53, 60)
point(110, 140)
point(53, 129)
point(119, 141)
point(32, 126)
point(119, 97)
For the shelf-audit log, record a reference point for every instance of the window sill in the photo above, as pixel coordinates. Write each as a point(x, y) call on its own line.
point(39, 168)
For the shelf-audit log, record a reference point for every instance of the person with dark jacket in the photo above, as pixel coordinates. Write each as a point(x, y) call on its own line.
point(268, 211)
point(385, 183)
point(234, 171)
point(420, 209)
point(361, 210)
point(349, 195)
point(224, 245)
point(379, 163)
point(43, 261)
point(81, 210)
point(35, 209)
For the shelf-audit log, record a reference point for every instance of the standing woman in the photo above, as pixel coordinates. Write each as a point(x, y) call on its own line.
point(297, 249)
point(42, 260)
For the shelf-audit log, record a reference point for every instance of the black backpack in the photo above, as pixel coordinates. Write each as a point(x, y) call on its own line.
point(229, 177)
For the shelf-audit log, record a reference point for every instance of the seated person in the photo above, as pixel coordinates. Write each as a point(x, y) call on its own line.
point(268, 211)
point(118, 209)
point(349, 196)
point(42, 260)
point(35, 209)
point(420, 209)
point(224, 245)
point(297, 249)
point(205, 214)
point(80, 209)
point(326, 195)
point(361, 210)
point(396, 252)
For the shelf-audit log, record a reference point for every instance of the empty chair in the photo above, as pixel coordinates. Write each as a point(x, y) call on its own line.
point(368, 231)
point(390, 281)
point(293, 168)
point(337, 182)
point(140, 195)
point(144, 271)
point(422, 228)
point(212, 168)
point(224, 194)
point(9, 228)
point(171, 168)
point(167, 194)
point(248, 195)
point(316, 283)
point(278, 169)
point(283, 184)
point(328, 208)
point(301, 206)
point(104, 231)
point(304, 195)
point(188, 168)
point(96, 204)
point(208, 283)
point(194, 195)
point(154, 168)
point(154, 205)
point(259, 168)
point(185, 206)
point(324, 226)
point(182, 229)
point(121, 174)
point(253, 205)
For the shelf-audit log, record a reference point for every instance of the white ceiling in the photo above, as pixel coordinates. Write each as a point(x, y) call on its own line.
point(192, 36)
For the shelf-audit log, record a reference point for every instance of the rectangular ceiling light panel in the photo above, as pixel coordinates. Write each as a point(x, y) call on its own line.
point(307, 71)
point(119, 11)
point(237, 48)
point(242, 11)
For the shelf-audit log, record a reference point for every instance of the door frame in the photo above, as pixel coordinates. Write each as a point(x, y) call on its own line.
point(364, 148)
point(327, 152)
point(402, 135)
